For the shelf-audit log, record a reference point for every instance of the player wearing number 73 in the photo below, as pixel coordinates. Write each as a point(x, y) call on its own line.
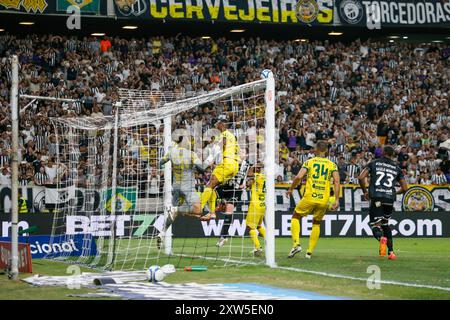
point(319, 171)
point(383, 173)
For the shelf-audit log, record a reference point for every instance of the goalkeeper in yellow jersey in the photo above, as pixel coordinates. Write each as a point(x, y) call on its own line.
point(224, 171)
point(318, 172)
point(257, 207)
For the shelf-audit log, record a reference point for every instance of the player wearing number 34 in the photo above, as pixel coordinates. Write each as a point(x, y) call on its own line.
point(318, 172)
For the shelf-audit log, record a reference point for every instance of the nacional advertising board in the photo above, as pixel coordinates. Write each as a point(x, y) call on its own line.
point(57, 246)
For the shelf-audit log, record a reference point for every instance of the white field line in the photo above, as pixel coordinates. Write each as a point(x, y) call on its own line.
point(325, 274)
point(396, 283)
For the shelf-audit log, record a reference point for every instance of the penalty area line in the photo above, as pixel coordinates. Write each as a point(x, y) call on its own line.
point(332, 275)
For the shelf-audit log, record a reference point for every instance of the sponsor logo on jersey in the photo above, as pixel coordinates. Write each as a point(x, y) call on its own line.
point(315, 186)
point(351, 11)
point(307, 10)
point(418, 199)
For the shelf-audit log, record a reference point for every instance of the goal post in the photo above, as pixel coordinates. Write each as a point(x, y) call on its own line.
point(269, 166)
point(167, 182)
point(121, 201)
point(14, 273)
point(112, 248)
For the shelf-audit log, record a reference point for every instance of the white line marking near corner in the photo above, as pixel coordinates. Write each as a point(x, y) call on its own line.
point(326, 274)
point(332, 275)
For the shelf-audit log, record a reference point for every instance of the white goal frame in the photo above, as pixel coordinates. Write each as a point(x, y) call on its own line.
point(269, 162)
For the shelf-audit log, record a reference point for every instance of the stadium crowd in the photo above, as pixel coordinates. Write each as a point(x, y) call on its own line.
point(358, 96)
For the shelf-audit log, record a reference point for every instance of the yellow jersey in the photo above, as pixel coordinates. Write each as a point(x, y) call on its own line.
point(258, 192)
point(318, 181)
point(231, 150)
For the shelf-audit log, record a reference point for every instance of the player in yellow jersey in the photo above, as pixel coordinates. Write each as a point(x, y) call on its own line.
point(318, 172)
point(257, 207)
point(224, 171)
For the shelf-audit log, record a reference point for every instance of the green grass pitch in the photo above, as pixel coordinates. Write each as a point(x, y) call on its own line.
point(421, 261)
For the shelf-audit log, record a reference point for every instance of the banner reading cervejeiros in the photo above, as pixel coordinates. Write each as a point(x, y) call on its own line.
point(256, 11)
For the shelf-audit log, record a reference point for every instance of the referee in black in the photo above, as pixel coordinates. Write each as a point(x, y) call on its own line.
point(383, 173)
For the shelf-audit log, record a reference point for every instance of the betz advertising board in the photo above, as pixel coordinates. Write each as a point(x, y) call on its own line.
point(423, 211)
point(417, 198)
point(335, 224)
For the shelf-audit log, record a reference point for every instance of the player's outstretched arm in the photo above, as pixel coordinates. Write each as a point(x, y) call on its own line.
point(298, 178)
point(250, 177)
point(163, 161)
point(201, 167)
point(362, 179)
point(337, 189)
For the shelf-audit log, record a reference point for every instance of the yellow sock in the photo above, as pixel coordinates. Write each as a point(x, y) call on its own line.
point(206, 195)
point(254, 237)
point(315, 233)
point(212, 202)
point(262, 231)
point(295, 232)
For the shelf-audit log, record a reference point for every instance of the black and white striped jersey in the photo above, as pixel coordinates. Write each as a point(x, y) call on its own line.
point(41, 178)
point(438, 179)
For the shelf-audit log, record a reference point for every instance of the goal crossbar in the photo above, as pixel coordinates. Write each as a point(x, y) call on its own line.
point(165, 111)
point(159, 113)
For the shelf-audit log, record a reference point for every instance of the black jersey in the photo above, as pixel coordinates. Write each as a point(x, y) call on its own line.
point(384, 174)
point(232, 190)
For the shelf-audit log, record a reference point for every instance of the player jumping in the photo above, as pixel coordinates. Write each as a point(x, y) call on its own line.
point(382, 174)
point(184, 163)
point(224, 171)
point(319, 171)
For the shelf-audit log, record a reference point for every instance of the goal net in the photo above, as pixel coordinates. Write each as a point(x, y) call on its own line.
point(116, 191)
